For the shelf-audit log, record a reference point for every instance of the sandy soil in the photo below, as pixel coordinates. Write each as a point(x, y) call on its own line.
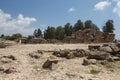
point(28, 68)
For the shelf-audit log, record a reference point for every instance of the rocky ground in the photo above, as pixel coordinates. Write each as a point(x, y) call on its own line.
point(59, 62)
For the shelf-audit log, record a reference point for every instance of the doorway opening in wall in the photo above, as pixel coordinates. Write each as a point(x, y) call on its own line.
point(92, 37)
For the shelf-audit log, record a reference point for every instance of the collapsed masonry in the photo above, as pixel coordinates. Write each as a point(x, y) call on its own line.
point(88, 36)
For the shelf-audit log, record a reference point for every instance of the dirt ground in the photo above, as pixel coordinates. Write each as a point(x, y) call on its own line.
point(27, 68)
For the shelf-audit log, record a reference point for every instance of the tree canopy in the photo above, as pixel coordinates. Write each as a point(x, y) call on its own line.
point(88, 24)
point(37, 33)
point(109, 27)
point(68, 29)
point(78, 26)
point(49, 33)
point(60, 33)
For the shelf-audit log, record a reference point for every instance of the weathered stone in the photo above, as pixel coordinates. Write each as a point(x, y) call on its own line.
point(9, 70)
point(106, 49)
point(94, 47)
point(56, 53)
point(39, 51)
point(104, 62)
point(47, 65)
point(54, 59)
point(70, 55)
point(118, 45)
point(7, 59)
point(89, 61)
point(49, 62)
point(99, 55)
point(116, 58)
point(35, 55)
point(1, 69)
point(11, 57)
point(117, 54)
point(62, 53)
point(80, 53)
point(105, 45)
point(114, 48)
point(110, 59)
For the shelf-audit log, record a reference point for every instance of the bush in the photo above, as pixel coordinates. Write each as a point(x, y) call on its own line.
point(14, 36)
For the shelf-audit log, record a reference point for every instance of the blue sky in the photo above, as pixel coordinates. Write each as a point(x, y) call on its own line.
point(24, 16)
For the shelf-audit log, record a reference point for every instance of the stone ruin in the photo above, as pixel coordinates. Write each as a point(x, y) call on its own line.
point(88, 36)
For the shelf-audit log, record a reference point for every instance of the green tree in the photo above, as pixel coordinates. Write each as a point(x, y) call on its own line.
point(78, 26)
point(37, 33)
point(68, 29)
point(49, 33)
point(109, 27)
point(16, 36)
point(88, 24)
point(2, 36)
point(59, 33)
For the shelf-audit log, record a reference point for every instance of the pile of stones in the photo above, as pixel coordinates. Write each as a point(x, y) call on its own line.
point(6, 62)
point(69, 54)
point(103, 54)
point(36, 55)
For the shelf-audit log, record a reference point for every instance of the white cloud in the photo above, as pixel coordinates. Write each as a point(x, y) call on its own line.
point(9, 25)
point(102, 5)
point(71, 9)
point(4, 17)
point(117, 9)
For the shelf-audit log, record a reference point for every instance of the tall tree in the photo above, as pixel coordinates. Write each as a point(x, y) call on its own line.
point(49, 33)
point(37, 33)
point(109, 27)
point(2, 36)
point(88, 24)
point(68, 29)
point(59, 33)
point(78, 26)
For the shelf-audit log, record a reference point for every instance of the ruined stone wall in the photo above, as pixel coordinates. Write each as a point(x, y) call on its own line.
point(87, 38)
point(84, 36)
point(99, 37)
point(109, 37)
